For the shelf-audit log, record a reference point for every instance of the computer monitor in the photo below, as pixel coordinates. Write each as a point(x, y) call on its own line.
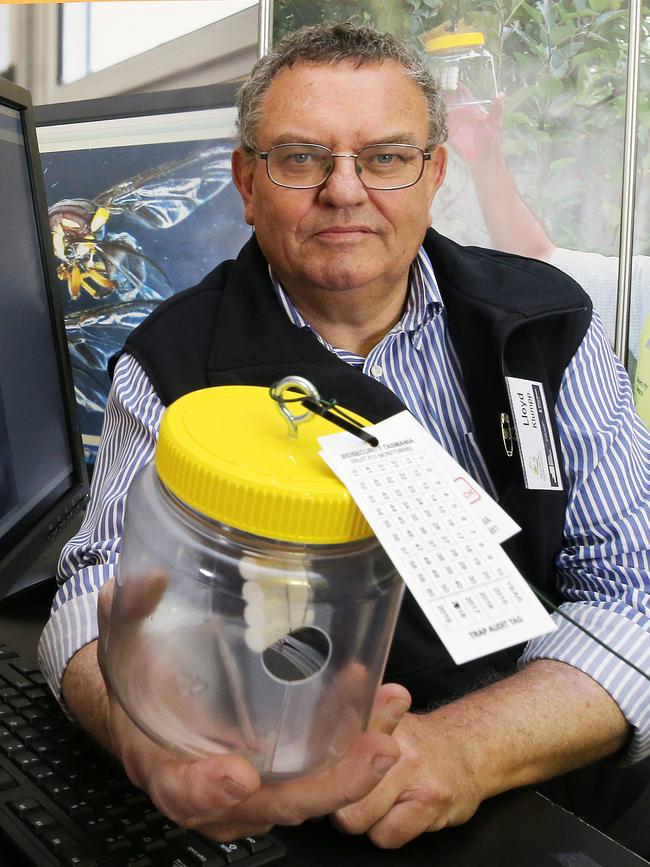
point(141, 205)
point(42, 470)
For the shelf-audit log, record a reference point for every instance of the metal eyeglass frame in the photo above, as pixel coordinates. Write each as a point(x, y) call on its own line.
point(264, 155)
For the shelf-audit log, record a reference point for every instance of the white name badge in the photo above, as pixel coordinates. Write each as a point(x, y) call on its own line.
point(534, 434)
point(442, 532)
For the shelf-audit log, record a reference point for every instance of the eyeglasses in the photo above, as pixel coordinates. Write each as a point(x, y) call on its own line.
point(379, 167)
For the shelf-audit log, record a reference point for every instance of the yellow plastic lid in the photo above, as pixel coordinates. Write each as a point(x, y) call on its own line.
point(226, 453)
point(454, 40)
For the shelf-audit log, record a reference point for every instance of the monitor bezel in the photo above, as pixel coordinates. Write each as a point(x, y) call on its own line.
point(33, 536)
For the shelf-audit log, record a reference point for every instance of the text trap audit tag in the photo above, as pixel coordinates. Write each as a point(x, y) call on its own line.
point(442, 531)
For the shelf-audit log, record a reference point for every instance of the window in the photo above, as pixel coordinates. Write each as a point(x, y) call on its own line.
point(95, 36)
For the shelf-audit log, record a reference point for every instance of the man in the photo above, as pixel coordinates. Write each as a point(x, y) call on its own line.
point(340, 159)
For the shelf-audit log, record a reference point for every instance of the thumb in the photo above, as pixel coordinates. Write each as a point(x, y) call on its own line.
point(105, 605)
point(392, 701)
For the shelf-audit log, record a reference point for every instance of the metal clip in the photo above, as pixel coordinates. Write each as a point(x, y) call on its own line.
point(507, 434)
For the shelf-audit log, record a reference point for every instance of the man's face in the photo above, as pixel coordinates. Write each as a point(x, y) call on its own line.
point(340, 237)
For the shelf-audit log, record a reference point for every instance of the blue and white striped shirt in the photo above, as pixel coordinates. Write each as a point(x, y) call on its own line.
point(603, 568)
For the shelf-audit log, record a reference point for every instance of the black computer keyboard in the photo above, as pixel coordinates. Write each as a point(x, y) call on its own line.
point(66, 803)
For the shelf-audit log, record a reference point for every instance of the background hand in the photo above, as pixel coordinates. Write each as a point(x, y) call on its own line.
point(475, 130)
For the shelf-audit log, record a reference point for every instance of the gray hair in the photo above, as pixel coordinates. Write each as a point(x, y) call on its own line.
point(334, 43)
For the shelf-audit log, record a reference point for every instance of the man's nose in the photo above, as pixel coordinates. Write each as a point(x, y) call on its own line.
point(343, 187)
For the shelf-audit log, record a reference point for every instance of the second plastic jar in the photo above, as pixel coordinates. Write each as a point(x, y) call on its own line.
point(463, 67)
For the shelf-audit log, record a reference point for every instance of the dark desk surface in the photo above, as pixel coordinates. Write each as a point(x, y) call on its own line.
point(518, 829)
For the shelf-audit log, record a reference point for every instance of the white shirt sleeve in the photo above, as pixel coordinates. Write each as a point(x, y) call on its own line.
point(89, 559)
point(598, 276)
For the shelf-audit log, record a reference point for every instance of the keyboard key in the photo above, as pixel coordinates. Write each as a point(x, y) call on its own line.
point(32, 714)
point(74, 857)
point(36, 693)
point(154, 817)
point(25, 666)
point(55, 786)
point(195, 848)
point(232, 852)
point(258, 844)
point(22, 805)
point(74, 804)
point(15, 678)
point(130, 826)
point(96, 825)
point(23, 758)
point(6, 781)
point(9, 744)
point(39, 819)
point(56, 838)
point(38, 771)
point(117, 842)
point(18, 703)
point(5, 653)
point(26, 733)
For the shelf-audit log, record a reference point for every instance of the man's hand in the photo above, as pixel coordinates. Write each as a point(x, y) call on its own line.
point(433, 785)
point(545, 720)
point(222, 796)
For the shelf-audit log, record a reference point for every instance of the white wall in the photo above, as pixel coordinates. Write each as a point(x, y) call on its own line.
point(5, 53)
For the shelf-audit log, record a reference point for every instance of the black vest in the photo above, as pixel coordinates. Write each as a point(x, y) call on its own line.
point(507, 316)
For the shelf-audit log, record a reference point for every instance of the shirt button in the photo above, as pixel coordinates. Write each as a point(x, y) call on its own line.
point(376, 370)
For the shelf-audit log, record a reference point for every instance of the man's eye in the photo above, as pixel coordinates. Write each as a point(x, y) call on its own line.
point(385, 159)
point(300, 159)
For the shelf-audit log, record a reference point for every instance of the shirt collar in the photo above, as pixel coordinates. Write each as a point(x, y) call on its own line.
point(423, 304)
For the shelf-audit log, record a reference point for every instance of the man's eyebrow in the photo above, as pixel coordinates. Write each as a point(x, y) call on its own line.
point(393, 138)
point(387, 138)
point(294, 138)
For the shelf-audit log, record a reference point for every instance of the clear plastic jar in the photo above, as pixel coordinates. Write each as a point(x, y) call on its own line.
point(226, 640)
point(464, 68)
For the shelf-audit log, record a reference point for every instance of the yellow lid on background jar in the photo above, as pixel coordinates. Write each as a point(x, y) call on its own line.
point(454, 40)
point(226, 453)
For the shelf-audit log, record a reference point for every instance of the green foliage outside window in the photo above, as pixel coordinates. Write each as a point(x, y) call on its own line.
point(562, 68)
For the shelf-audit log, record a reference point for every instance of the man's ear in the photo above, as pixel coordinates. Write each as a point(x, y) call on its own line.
point(243, 168)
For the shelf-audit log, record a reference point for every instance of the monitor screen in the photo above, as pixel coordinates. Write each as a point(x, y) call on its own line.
point(42, 473)
point(141, 205)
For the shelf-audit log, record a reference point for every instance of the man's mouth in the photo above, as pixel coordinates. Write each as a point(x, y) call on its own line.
point(343, 231)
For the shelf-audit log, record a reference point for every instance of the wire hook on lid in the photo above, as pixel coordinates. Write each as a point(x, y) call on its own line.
point(314, 403)
point(298, 383)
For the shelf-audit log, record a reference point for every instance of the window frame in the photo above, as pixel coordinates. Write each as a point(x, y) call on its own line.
point(223, 51)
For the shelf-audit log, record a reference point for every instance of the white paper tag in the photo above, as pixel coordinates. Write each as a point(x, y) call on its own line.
point(495, 520)
point(534, 434)
point(468, 588)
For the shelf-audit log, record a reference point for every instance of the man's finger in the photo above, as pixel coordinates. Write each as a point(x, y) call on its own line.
point(392, 701)
point(318, 794)
point(402, 823)
point(105, 605)
point(199, 793)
